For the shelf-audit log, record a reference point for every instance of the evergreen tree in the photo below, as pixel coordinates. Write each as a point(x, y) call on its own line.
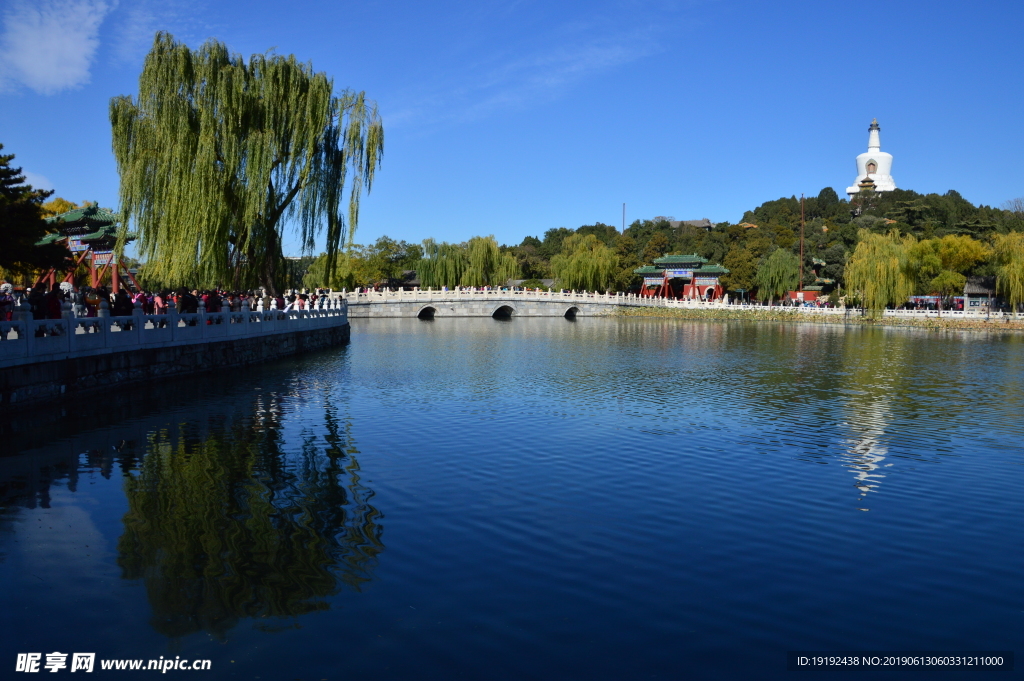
point(625, 248)
point(22, 225)
point(552, 244)
point(742, 266)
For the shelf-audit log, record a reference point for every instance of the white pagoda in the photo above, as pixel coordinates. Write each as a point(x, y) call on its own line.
point(874, 167)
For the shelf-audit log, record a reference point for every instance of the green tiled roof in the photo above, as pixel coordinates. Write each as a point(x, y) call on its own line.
point(50, 238)
point(711, 269)
point(669, 259)
point(89, 225)
point(107, 233)
point(648, 269)
point(90, 215)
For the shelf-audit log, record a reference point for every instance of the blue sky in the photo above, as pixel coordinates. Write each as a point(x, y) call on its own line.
point(510, 118)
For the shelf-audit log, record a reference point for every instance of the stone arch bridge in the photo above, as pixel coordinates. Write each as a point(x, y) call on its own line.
point(497, 304)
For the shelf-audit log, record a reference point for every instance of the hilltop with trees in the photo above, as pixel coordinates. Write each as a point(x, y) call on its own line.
point(939, 239)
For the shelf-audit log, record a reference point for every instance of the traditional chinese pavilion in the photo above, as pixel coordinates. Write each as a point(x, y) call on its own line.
point(90, 234)
point(682, 276)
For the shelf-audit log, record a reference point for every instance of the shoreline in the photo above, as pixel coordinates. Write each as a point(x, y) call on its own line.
point(854, 318)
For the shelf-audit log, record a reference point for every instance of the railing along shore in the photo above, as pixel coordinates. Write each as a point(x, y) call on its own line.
point(27, 341)
point(634, 300)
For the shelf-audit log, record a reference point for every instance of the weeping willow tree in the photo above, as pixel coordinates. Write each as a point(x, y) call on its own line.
point(777, 274)
point(1008, 250)
point(486, 265)
point(478, 262)
point(585, 263)
point(880, 270)
point(218, 154)
point(442, 264)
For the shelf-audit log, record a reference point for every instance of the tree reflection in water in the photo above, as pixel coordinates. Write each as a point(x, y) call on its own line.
point(223, 524)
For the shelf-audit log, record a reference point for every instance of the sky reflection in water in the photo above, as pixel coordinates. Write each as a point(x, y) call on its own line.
point(534, 499)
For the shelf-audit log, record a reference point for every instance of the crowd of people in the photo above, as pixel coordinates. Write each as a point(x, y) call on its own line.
point(48, 303)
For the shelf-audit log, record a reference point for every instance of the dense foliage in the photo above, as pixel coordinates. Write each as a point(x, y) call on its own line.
point(585, 263)
point(477, 262)
point(386, 261)
point(880, 271)
point(777, 274)
point(22, 225)
point(878, 247)
point(1009, 261)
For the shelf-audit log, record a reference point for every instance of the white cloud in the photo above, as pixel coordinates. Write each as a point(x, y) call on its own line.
point(49, 45)
point(530, 79)
point(136, 31)
point(36, 180)
point(546, 74)
point(135, 25)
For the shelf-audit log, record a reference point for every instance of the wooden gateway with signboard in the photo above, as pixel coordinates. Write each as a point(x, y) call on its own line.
point(90, 234)
point(682, 276)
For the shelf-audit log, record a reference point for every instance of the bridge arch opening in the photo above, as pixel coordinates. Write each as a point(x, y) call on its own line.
point(426, 313)
point(571, 313)
point(503, 312)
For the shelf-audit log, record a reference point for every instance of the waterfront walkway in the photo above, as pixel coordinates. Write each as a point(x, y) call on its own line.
point(26, 341)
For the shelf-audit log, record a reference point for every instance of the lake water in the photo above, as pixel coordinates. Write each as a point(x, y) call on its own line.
point(533, 499)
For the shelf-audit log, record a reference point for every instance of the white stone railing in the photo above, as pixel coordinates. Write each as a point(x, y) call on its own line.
point(27, 341)
point(474, 295)
point(426, 295)
point(634, 300)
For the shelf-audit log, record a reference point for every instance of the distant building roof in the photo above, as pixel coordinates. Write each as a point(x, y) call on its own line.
point(90, 215)
point(673, 259)
point(703, 223)
point(711, 269)
point(980, 286)
point(90, 224)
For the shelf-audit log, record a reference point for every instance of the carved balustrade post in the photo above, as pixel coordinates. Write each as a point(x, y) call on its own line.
point(246, 311)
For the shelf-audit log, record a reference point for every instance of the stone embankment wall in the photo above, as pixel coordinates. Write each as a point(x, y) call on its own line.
point(43, 382)
point(954, 322)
